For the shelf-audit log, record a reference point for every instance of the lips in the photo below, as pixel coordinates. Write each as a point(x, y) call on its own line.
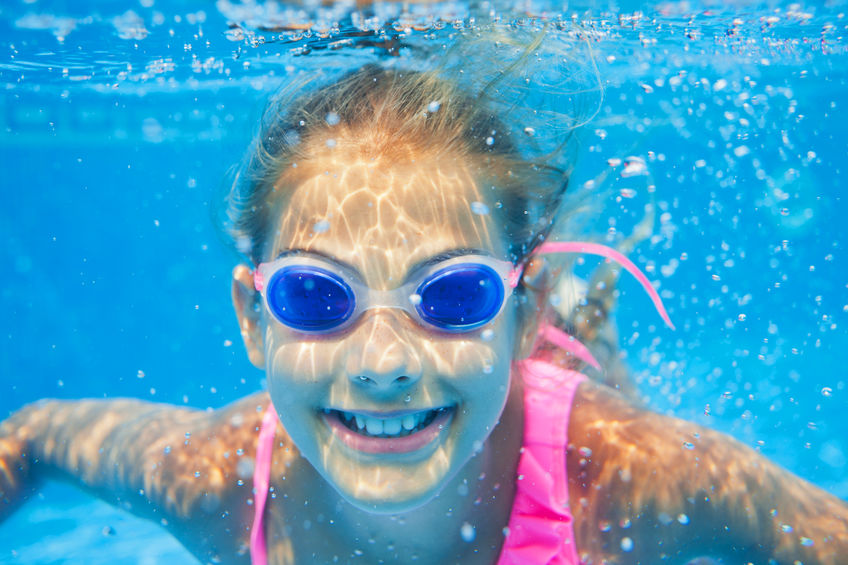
point(399, 432)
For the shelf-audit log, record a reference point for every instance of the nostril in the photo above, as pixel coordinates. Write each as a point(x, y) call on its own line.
point(380, 381)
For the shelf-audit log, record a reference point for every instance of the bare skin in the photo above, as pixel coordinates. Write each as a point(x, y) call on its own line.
point(734, 501)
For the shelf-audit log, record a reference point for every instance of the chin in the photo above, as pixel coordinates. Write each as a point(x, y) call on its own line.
point(389, 506)
point(389, 484)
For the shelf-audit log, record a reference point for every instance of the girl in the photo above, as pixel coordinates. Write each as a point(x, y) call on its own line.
point(422, 408)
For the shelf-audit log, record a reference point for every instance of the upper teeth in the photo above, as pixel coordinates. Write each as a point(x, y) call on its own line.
point(376, 426)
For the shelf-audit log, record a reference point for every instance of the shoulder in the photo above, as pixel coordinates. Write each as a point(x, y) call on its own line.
point(201, 462)
point(201, 472)
point(604, 418)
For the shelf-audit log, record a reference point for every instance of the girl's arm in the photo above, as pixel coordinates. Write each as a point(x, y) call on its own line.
point(645, 487)
point(187, 469)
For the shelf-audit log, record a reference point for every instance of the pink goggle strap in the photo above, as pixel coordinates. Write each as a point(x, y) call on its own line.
point(612, 255)
point(258, 280)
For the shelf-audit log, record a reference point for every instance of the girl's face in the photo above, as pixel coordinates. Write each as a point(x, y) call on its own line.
point(379, 222)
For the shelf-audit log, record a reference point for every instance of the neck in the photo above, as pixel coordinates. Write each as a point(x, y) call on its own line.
point(464, 523)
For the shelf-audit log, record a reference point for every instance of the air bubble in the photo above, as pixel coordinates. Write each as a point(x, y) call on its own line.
point(634, 166)
point(291, 137)
point(332, 119)
point(480, 209)
point(415, 299)
point(321, 226)
point(152, 131)
point(487, 335)
point(467, 532)
point(245, 467)
point(243, 244)
point(626, 544)
point(434, 106)
point(827, 391)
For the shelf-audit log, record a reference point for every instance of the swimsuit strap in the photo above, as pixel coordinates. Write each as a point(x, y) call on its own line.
point(261, 481)
point(541, 527)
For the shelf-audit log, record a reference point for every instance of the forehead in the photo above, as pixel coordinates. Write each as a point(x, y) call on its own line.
point(384, 217)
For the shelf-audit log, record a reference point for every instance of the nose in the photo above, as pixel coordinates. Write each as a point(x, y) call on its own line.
point(383, 354)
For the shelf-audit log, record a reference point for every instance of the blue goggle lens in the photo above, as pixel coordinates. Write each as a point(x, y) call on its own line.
point(461, 297)
point(309, 298)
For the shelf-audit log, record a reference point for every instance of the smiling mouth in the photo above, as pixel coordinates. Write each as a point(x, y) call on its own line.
point(395, 433)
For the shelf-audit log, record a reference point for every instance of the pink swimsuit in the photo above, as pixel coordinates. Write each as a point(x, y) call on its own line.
point(540, 525)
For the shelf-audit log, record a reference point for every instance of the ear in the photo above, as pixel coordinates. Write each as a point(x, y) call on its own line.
point(535, 280)
point(250, 320)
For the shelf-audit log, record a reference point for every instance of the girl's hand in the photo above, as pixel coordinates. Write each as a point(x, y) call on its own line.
point(15, 481)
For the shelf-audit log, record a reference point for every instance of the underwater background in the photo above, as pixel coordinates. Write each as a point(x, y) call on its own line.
point(120, 123)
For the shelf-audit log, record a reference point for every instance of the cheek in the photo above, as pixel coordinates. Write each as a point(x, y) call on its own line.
point(488, 352)
point(460, 358)
point(479, 369)
point(297, 366)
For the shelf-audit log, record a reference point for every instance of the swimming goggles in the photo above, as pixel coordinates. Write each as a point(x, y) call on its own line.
point(456, 295)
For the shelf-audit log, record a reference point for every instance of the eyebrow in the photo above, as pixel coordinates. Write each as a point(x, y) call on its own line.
point(433, 260)
point(445, 255)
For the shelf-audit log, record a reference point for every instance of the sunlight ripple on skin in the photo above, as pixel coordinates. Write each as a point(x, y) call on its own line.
point(379, 218)
point(381, 212)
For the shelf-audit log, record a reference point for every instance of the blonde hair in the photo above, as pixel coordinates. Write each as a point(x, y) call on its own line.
point(398, 114)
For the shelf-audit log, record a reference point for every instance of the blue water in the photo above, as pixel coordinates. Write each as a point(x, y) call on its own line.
point(120, 123)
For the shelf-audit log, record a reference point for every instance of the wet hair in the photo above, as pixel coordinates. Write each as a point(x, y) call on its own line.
point(396, 114)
